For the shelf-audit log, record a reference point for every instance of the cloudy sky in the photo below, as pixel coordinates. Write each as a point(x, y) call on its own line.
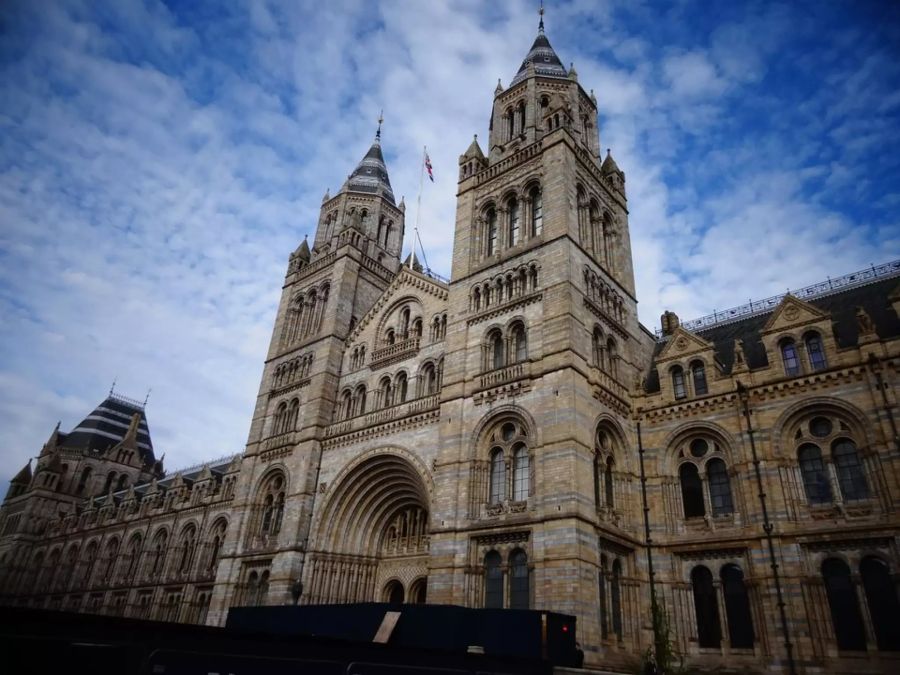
point(159, 161)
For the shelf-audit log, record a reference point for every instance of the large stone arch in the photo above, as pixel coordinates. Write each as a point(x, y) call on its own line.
point(354, 527)
point(782, 443)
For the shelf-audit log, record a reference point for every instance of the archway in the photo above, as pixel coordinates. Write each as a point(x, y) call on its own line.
point(372, 532)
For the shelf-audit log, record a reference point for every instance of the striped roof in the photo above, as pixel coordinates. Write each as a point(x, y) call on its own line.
point(107, 424)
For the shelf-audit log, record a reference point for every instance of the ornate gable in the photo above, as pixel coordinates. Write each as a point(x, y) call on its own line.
point(683, 343)
point(792, 312)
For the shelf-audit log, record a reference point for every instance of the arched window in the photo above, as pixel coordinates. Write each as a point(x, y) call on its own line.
point(110, 557)
point(158, 554)
point(678, 382)
point(608, 482)
point(521, 473)
point(429, 381)
point(393, 592)
point(881, 596)
point(417, 327)
point(404, 322)
point(815, 476)
point(612, 357)
point(719, 487)
point(346, 405)
point(217, 538)
point(845, 614)
point(513, 206)
point(537, 211)
point(280, 421)
point(187, 546)
point(519, 592)
point(498, 476)
point(493, 580)
point(520, 344)
point(737, 608)
point(252, 589)
point(476, 302)
point(698, 375)
point(360, 396)
point(691, 491)
point(491, 232)
point(850, 473)
point(132, 557)
point(615, 594)
point(272, 502)
point(122, 483)
point(293, 414)
point(706, 606)
point(815, 351)
point(83, 481)
point(789, 357)
point(598, 346)
point(384, 391)
point(389, 337)
point(495, 340)
point(263, 592)
point(400, 388)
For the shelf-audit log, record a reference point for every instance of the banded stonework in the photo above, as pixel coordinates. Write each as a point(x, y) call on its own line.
point(482, 441)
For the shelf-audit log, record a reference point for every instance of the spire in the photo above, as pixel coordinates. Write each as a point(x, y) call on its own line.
point(541, 57)
point(371, 175)
point(609, 164)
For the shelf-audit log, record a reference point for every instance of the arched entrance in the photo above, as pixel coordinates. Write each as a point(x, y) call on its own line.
point(372, 535)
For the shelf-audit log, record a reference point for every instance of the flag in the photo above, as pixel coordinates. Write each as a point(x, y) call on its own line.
point(428, 166)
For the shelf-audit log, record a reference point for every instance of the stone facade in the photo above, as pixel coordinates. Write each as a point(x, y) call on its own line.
point(516, 438)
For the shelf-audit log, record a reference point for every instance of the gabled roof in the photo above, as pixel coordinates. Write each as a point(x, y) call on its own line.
point(873, 297)
point(541, 55)
point(107, 425)
point(371, 175)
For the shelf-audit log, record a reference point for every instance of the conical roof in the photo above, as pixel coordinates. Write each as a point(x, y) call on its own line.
point(24, 476)
point(108, 424)
point(541, 55)
point(371, 175)
point(609, 164)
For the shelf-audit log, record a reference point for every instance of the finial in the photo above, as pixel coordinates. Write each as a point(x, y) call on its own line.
point(112, 387)
point(476, 137)
point(608, 152)
point(380, 120)
point(541, 13)
point(147, 397)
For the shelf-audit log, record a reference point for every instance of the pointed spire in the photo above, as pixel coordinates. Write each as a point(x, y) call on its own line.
point(541, 57)
point(326, 196)
point(303, 250)
point(24, 476)
point(609, 164)
point(371, 174)
point(52, 442)
point(474, 150)
point(380, 120)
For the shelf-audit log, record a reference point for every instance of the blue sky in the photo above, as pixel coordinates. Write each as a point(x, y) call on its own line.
point(159, 161)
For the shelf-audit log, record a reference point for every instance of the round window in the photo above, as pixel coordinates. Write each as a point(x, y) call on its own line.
point(699, 447)
point(820, 427)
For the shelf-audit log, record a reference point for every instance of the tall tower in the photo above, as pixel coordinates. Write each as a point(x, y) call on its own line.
point(355, 256)
point(543, 348)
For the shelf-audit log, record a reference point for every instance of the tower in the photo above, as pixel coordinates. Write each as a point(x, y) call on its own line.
point(533, 482)
point(327, 288)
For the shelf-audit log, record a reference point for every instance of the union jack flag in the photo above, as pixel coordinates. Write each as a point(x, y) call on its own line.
point(428, 167)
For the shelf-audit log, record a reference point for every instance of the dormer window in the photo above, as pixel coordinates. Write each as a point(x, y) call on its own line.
point(815, 351)
point(789, 357)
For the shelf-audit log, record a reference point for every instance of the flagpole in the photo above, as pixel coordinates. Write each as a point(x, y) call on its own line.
point(419, 200)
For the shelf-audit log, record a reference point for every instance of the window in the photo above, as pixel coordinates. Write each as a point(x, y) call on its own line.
point(346, 405)
point(83, 481)
point(537, 211)
point(498, 476)
point(493, 580)
point(519, 591)
point(691, 491)
point(360, 400)
point(608, 482)
point(491, 232)
point(719, 487)
point(604, 615)
point(706, 607)
point(272, 498)
point(698, 375)
point(513, 206)
point(599, 348)
point(187, 545)
point(615, 598)
point(400, 388)
point(845, 614)
point(789, 357)
point(850, 474)
point(158, 554)
point(384, 391)
point(881, 596)
point(612, 357)
point(737, 608)
point(815, 351)
point(496, 342)
point(215, 545)
point(815, 476)
point(520, 344)
point(521, 473)
point(678, 382)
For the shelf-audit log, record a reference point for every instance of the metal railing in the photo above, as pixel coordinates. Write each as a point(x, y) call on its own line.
point(816, 290)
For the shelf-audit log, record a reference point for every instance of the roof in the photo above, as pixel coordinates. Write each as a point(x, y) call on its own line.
point(107, 425)
point(546, 62)
point(371, 174)
point(841, 305)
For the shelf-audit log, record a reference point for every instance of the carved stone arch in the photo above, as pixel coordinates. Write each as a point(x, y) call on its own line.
point(818, 558)
point(675, 438)
point(214, 522)
point(368, 490)
point(510, 193)
point(388, 313)
point(271, 470)
point(529, 183)
point(782, 436)
point(494, 417)
point(517, 318)
point(192, 523)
